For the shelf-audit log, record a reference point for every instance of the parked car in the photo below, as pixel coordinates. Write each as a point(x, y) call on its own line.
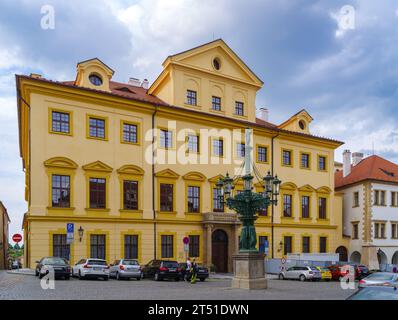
point(379, 279)
point(375, 293)
point(60, 266)
point(91, 268)
point(203, 272)
point(301, 273)
point(325, 273)
point(125, 269)
point(338, 272)
point(161, 269)
point(361, 272)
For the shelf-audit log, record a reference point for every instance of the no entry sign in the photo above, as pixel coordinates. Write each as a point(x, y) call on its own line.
point(185, 240)
point(17, 238)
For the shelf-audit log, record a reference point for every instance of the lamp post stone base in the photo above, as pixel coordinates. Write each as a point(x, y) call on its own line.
point(249, 271)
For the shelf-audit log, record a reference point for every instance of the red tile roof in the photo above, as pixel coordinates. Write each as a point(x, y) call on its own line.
point(370, 168)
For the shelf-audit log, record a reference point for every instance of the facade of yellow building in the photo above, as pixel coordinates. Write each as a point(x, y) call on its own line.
point(134, 167)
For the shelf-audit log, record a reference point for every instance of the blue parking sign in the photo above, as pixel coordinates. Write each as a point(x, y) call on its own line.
point(70, 227)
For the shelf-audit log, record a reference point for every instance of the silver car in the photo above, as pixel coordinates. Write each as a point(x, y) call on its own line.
point(91, 268)
point(379, 279)
point(301, 273)
point(125, 269)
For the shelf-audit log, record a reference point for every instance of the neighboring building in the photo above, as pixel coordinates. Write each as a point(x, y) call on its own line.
point(87, 153)
point(370, 188)
point(4, 222)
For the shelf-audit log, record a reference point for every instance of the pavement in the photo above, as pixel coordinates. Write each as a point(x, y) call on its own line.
point(18, 285)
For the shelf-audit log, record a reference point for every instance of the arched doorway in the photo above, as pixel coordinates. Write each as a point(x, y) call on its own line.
point(394, 259)
point(219, 250)
point(355, 257)
point(381, 257)
point(343, 253)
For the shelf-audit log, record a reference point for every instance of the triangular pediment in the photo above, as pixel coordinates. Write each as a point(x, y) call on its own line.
point(196, 176)
point(167, 173)
point(60, 162)
point(131, 169)
point(97, 166)
point(202, 57)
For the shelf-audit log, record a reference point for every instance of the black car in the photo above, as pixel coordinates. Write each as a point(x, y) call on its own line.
point(161, 269)
point(376, 293)
point(203, 272)
point(60, 266)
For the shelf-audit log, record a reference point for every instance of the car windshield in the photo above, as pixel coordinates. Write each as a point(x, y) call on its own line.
point(51, 261)
point(380, 276)
point(376, 294)
point(314, 268)
point(130, 262)
point(97, 262)
point(170, 264)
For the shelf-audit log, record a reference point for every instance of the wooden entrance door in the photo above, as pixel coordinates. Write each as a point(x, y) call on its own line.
point(219, 250)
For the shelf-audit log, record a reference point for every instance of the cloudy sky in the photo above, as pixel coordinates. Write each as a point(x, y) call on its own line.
point(342, 68)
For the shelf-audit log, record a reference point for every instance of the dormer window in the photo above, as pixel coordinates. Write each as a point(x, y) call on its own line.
point(191, 98)
point(95, 79)
point(302, 124)
point(217, 63)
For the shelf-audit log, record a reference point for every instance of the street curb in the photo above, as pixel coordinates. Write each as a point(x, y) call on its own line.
point(25, 273)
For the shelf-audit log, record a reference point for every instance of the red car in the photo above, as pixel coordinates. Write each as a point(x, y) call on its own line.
point(340, 271)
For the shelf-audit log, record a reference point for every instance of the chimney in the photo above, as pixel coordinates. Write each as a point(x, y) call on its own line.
point(263, 114)
point(356, 158)
point(134, 82)
point(346, 163)
point(145, 84)
point(35, 75)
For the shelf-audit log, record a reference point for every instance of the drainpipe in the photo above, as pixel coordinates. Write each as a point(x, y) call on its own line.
point(273, 206)
point(153, 183)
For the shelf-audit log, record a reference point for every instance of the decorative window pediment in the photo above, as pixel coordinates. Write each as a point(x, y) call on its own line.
point(97, 166)
point(307, 188)
point(60, 162)
point(324, 189)
point(167, 173)
point(216, 178)
point(288, 186)
point(131, 169)
point(197, 176)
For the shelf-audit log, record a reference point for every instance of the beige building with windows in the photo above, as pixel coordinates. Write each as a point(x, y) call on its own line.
point(134, 167)
point(4, 223)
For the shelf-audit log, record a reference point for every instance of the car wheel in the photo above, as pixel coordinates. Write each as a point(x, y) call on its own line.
point(202, 279)
point(302, 278)
point(80, 276)
point(281, 276)
point(37, 273)
point(41, 276)
point(106, 278)
point(139, 278)
point(67, 277)
point(177, 279)
point(117, 276)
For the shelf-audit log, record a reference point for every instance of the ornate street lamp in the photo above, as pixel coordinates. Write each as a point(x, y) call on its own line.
point(247, 204)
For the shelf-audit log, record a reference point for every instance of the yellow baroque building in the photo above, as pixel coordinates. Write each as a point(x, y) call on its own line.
point(102, 155)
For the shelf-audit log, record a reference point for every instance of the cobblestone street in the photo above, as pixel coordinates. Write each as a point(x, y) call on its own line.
point(17, 286)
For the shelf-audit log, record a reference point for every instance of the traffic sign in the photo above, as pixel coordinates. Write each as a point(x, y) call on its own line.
point(70, 231)
point(70, 227)
point(17, 238)
point(185, 240)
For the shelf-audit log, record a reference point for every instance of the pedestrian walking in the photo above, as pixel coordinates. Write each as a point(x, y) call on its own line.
point(194, 271)
point(394, 269)
point(188, 269)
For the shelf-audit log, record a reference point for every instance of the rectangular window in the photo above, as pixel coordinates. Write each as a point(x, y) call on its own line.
point(130, 195)
point(130, 133)
point(355, 231)
point(322, 244)
point(166, 139)
point(262, 240)
point(322, 208)
point(321, 163)
point(60, 191)
point(287, 245)
point(191, 98)
point(239, 109)
point(193, 199)
point(216, 103)
point(218, 147)
point(194, 245)
point(383, 230)
point(166, 197)
point(131, 247)
point(193, 143)
point(97, 193)
point(60, 247)
point(97, 128)
point(60, 122)
point(393, 199)
point(286, 157)
point(376, 198)
point(306, 244)
point(305, 206)
point(394, 230)
point(217, 203)
point(263, 212)
point(240, 150)
point(287, 205)
point(382, 198)
point(356, 199)
point(379, 230)
point(167, 245)
point(305, 161)
point(262, 154)
point(97, 246)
